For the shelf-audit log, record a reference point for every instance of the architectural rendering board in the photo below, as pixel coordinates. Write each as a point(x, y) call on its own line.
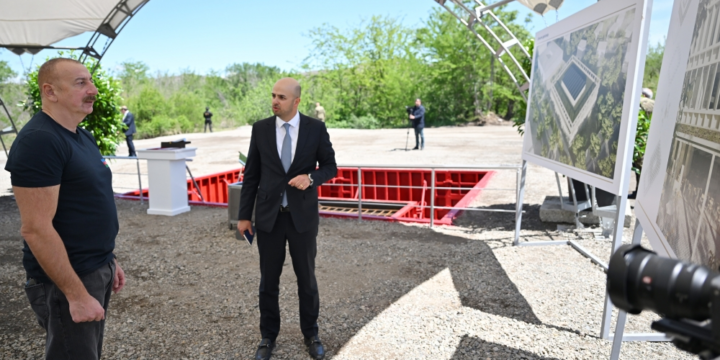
point(678, 201)
point(583, 97)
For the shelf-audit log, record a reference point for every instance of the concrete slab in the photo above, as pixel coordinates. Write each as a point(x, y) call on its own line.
point(552, 212)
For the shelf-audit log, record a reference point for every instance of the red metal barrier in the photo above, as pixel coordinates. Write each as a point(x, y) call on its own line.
point(403, 186)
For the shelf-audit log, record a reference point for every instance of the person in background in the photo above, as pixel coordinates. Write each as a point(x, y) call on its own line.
point(129, 121)
point(418, 123)
point(281, 182)
point(646, 101)
point(63, 189)
point(208, 119)
point(319, 112)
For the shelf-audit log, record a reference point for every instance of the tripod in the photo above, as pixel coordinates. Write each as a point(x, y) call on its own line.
point(407, 139)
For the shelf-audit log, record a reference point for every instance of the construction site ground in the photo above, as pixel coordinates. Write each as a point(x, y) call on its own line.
point(387, 290)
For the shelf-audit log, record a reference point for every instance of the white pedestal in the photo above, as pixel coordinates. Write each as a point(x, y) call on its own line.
point(166, 178)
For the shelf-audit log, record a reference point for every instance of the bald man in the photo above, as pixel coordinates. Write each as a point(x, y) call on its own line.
point(62, 186)
point(290, 155)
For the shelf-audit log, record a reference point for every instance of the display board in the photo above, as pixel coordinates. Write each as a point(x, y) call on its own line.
point(678, 201)
point(584, 93)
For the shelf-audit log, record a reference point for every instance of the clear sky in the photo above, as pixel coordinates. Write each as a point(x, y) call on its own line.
point(171, 35)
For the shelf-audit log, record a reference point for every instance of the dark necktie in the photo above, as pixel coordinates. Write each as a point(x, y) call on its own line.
point(286, 156)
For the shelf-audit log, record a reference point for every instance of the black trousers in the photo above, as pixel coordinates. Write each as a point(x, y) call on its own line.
point(130, 145)
point(68, 340)
point(208, 124)
point(303, 247)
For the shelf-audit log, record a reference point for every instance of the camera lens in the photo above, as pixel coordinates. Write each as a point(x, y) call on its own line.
point(637, 280)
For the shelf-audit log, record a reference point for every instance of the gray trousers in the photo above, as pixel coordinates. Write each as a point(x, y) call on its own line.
point(65, 338)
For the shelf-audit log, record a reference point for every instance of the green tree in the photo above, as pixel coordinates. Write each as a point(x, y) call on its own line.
point(132, 75)
point(373, 69)
point(460, 73)
point(6, 73)
point(244, 77)
point(105, 122)
point(653, 63)
point(148, 104)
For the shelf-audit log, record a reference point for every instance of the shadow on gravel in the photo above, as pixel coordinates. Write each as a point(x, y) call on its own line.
point(503, 221)
point(413, 256)
point(471, 348)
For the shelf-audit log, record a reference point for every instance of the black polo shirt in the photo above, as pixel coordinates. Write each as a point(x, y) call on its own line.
point(46, 154)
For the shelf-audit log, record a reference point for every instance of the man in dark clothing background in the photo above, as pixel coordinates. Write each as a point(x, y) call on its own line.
point(208, 119)
point(63, 189)
point(129, 120)
point(418, 123)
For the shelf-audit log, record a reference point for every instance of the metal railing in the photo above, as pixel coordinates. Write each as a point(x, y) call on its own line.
point(432, 187)
point(139, 175)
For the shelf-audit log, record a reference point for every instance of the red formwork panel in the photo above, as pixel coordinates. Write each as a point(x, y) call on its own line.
point(454, 188)
point(213, 188)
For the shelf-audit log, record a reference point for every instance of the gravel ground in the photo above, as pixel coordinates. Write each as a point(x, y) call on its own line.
point(388, 291)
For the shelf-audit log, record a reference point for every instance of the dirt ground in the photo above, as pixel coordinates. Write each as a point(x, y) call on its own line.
point(192, 288)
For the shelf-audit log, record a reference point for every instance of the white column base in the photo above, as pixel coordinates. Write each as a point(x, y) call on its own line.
point(165, 212)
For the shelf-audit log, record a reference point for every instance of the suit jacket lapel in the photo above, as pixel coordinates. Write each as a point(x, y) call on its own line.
point(273, 144)
point(303, 133)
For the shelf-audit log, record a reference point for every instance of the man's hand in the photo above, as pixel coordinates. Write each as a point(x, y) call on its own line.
point(301, 182)
point(118, 278)
point(243, 225)
point(86, 308)
point(412, 117)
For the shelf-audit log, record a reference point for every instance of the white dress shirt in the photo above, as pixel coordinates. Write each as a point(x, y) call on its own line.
point(280, 133)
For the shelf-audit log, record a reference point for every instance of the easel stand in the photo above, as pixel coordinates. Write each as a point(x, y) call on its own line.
point(617, 232)
point(576, 207)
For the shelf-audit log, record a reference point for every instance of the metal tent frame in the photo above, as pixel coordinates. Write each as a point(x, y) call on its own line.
point(484, 16)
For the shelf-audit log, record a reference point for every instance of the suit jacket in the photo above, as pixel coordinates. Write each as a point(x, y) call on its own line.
point(419, 121)
point(129, 120)
point(265, 179)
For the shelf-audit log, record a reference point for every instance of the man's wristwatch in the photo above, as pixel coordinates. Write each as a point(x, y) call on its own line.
point(311, 179)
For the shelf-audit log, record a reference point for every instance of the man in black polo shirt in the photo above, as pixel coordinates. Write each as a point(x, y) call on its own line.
point(69, 221)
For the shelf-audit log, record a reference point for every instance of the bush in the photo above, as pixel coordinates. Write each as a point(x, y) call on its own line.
point(643, 127)
point(164, 125)
point(365, 122)
point(105, 122)
point(362, 122)
point(148, 104)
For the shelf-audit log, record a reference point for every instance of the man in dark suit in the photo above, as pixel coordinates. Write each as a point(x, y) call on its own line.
point(418, 123)
point(290, 155)
point(129, 120)
point(208, 119)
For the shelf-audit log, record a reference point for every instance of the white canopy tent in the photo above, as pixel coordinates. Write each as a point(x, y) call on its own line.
point(32, 25)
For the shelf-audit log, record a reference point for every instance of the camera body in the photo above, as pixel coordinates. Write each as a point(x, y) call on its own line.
point(686, 295)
